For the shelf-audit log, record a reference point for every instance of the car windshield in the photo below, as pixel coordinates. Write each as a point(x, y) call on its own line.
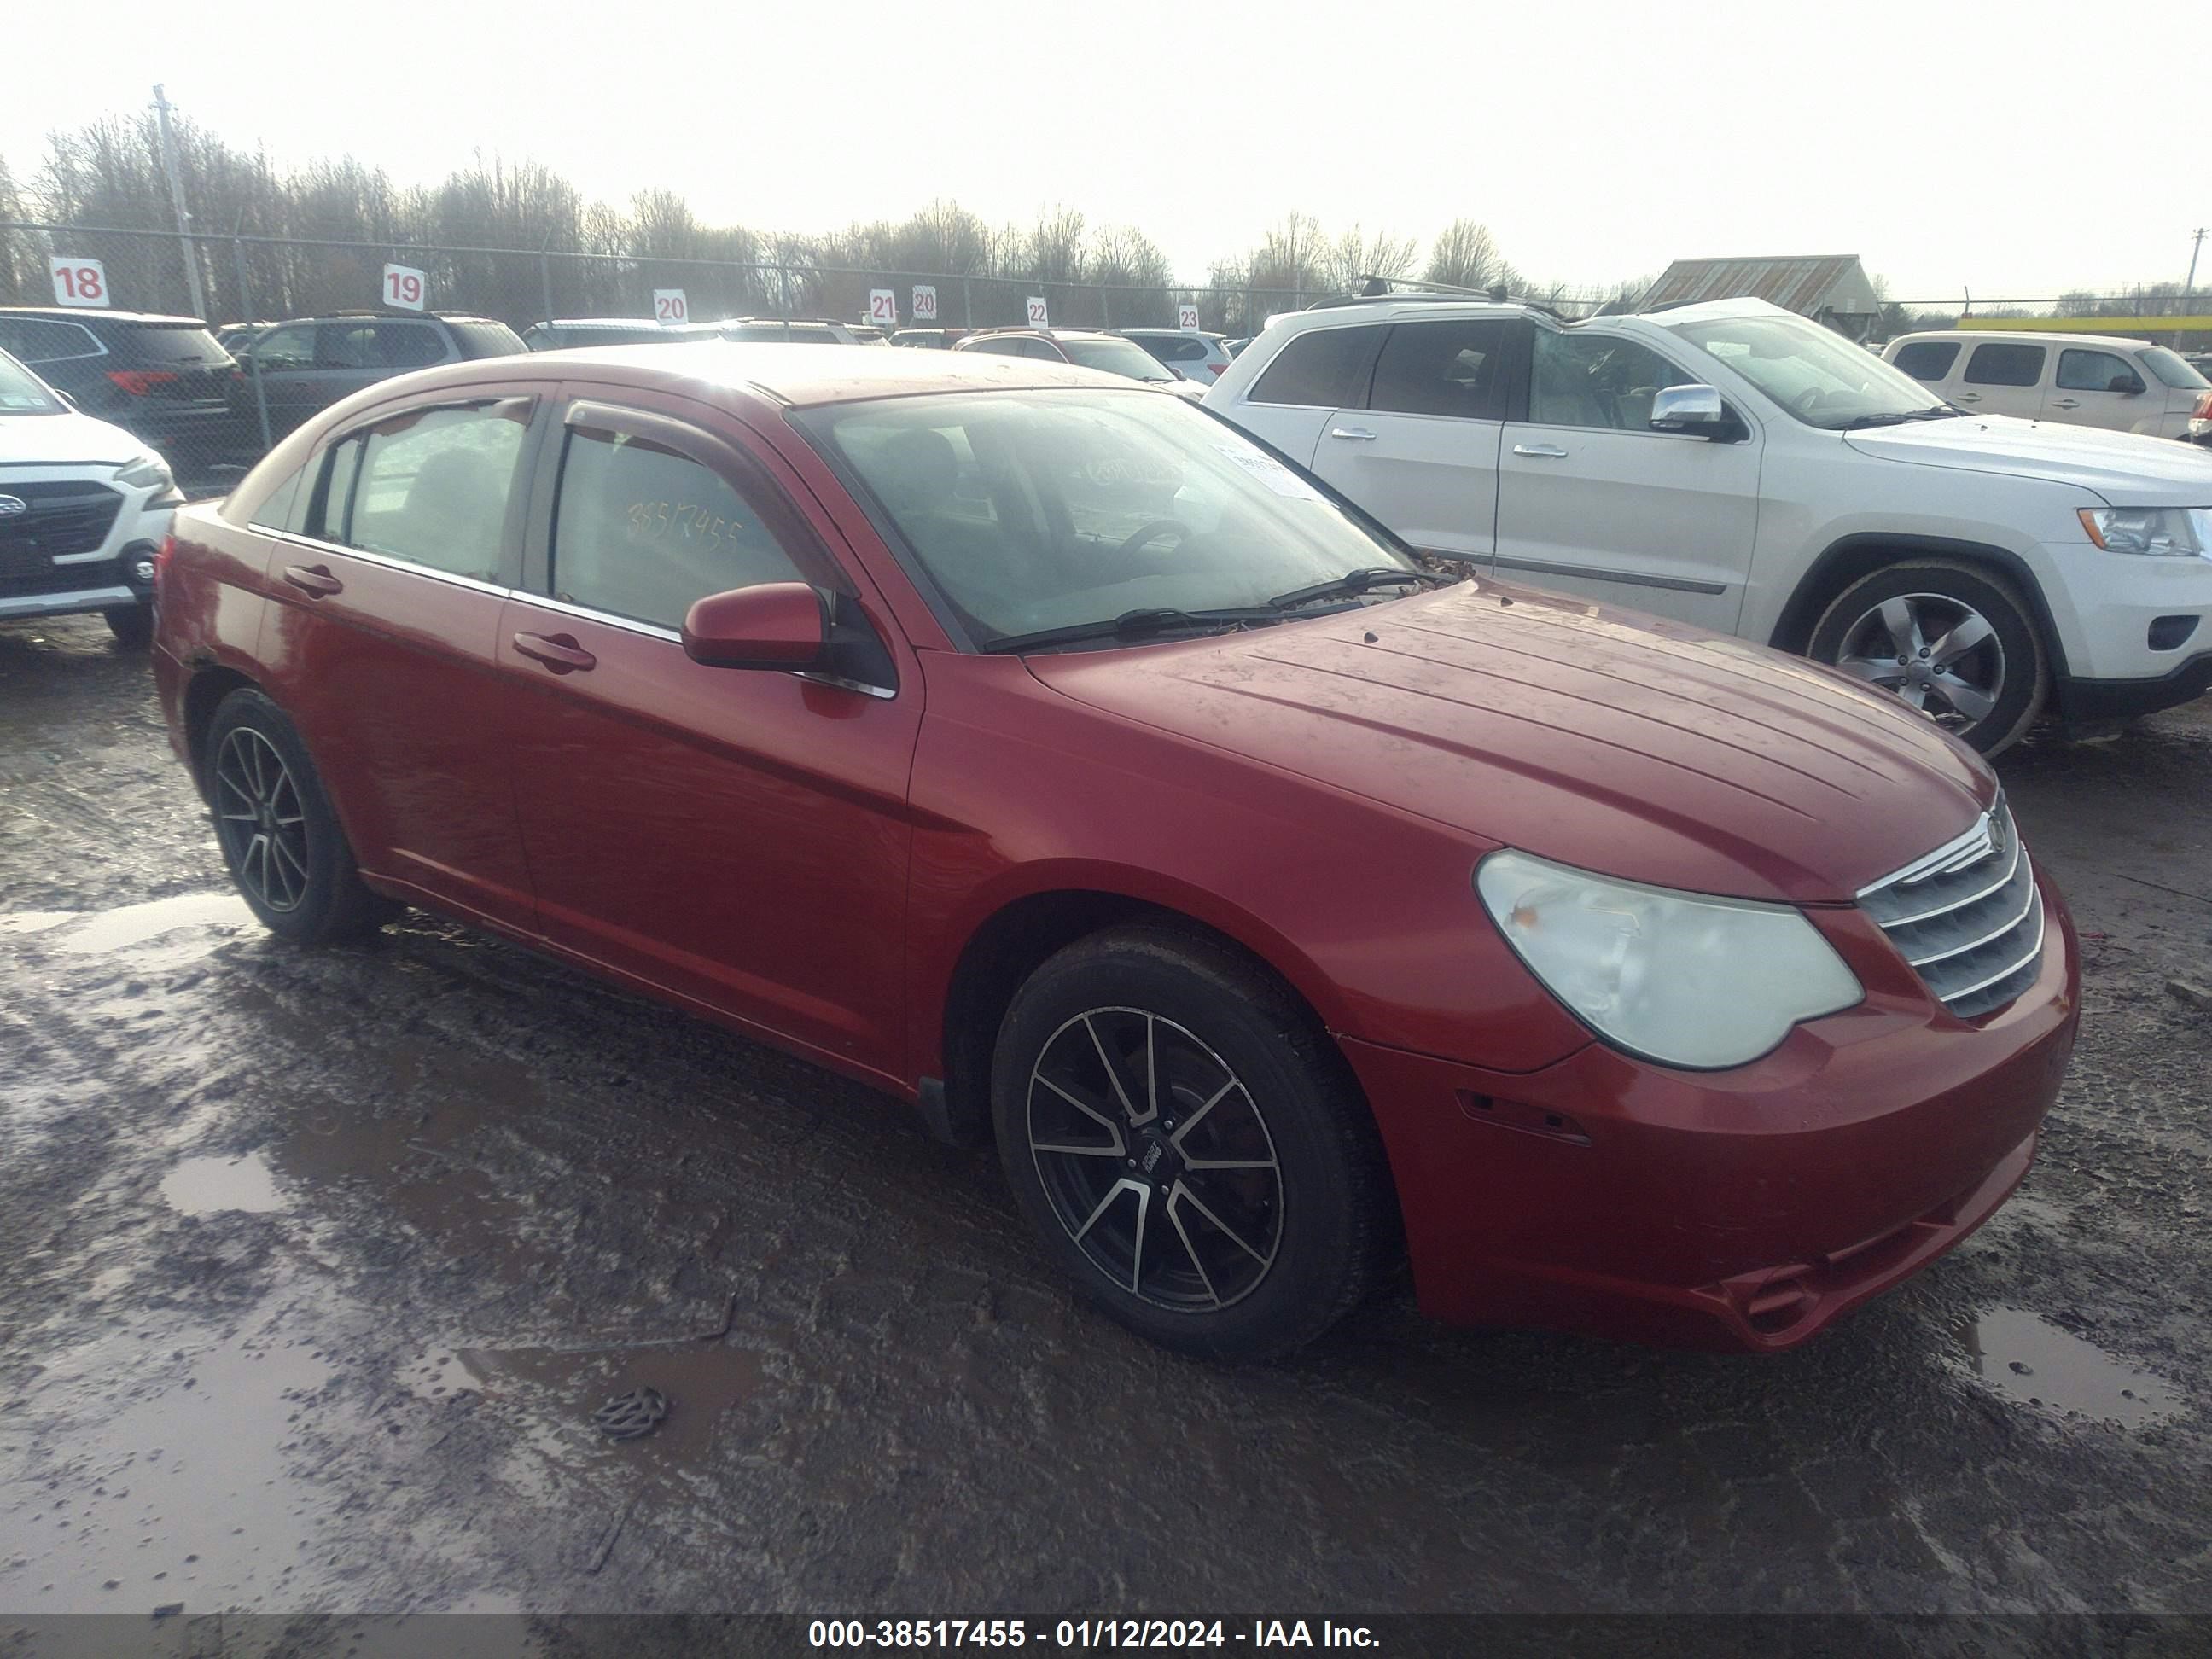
point(1116, 357)
point(1059, 509)
point(1814, 372)
point(2172, 370)
point(22, 393)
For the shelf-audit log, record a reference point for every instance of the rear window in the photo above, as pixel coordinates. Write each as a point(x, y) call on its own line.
point(484, 338)
point(1116, 357)
point(167, 342)
point(2172, 370)
point(1927, 360)
point(1325, 368)
point(1998, 364)
point(43, 340)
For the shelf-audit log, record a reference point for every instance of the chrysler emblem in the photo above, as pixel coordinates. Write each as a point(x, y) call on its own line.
point(12, 506)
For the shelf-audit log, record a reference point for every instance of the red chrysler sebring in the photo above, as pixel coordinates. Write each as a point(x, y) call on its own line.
point(1034, 746)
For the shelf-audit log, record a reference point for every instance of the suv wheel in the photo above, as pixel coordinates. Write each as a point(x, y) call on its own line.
point(1953, 639)
point(1189, 1145)
point(131, 624)
point(279, 835)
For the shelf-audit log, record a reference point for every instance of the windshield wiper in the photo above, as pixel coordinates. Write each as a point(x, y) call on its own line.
point(1132, 625)
point(1932, 412)
point(1353, 583)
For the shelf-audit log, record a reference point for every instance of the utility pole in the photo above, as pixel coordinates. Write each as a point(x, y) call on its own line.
point(176, 200)
point(2196, 247)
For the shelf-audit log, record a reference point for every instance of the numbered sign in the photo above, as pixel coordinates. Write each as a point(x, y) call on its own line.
point(1186, 319)
point(1038, 319)
point(405, 287)
point(669, 306)
point(924, 303)
point(883, 307)
point(78, 281)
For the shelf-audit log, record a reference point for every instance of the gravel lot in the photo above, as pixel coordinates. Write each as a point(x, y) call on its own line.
point(313, 1266)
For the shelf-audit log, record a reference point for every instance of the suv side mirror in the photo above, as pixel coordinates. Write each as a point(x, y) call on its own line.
point(2128, 386)
point(775, 625)
point(1693, 408)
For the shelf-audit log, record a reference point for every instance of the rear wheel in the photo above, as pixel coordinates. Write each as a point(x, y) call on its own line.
point(131, 624)
point(286, 852)
point(1189, 1145)
point(1953, 639)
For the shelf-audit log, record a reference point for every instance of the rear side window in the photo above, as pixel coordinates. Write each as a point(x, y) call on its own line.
point(1927, 360)
point(169, 342)
point(433, 486)
point(1323, 368)
point(281, 509)
point(998, 345)
point(483, 337)
point(2095, 371)
point(642, 529)
point(40, 340)
point(1443, 369)
point(408, 345)
point(285, 347)
point(2002, 364)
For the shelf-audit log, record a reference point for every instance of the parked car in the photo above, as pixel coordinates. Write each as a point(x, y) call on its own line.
point(1197, 357)
point(928, 339)
point(1732, 466)
point(800, 330)
point(233, 336)
point(567, 333)
point(1086, 349)
point(84, 506)
point(2081, 379)
point(1235, 346)
point(1039, 750)
point(307, 363)
point(163, 380)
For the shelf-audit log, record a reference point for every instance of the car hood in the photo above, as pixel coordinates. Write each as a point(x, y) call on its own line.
point(63, 439)
point(2128, 469)
point(1604, 740)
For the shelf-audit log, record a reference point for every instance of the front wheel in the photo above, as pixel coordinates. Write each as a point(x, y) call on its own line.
point(1189, 1145)
point(1955, 640)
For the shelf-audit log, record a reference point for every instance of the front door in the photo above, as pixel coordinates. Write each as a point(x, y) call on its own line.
point(1590, 499)
point(738, 837)
point(2100, 388)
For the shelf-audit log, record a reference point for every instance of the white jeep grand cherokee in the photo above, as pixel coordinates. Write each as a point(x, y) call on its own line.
point(84, 506)
point(1734, 465)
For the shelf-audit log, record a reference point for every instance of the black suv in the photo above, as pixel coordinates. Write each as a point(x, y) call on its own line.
point(307, 363)
point(162, 379)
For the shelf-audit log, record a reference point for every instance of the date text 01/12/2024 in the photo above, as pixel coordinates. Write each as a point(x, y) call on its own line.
point(1083, 1633)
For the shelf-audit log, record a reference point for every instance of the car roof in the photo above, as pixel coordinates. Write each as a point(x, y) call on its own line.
point(92, 313)
point(791, 376)
point(613, 322)
point(2024, 336)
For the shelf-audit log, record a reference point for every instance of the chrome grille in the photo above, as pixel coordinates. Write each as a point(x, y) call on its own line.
point(1968, 916)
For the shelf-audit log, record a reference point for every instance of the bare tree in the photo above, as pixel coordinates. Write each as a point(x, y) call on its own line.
point(1467, 256)
point(1354, 257)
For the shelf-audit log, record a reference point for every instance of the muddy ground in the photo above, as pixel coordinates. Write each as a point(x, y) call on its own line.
point(313, 1266)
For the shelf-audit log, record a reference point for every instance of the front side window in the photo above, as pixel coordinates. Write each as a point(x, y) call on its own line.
point(2000, 363)
point(285, 347)
point(2082, 370)
point(1323, 368)
point(1927, 360)
point(642, 529)
point(1813, 372)
point(1453, 369)
point(433, 486)
point(1065, 508)
point(1598, 381)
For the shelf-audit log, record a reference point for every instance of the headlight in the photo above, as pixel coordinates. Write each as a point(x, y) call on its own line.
point(2174, 532)
point(149, 471)
point(1676, 977)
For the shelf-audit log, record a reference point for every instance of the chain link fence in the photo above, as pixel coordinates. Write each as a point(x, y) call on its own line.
point(258, 280)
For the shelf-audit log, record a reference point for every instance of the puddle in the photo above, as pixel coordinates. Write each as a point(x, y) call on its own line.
point(562, 1389)
point(202, 1185)
point(2029, 1360)
point(134, 924)
point(37, 921)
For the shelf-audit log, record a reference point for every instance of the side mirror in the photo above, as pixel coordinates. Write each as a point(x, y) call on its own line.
point(1692, 409)
point(777, 625)
point(2128, 386)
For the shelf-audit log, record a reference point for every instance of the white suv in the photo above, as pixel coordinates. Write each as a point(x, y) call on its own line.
point(2081, 380)
point(84, 506)
point(1734, 465)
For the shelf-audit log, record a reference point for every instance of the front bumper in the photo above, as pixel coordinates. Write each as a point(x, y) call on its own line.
point(1745, 1209)
point(2103, 700)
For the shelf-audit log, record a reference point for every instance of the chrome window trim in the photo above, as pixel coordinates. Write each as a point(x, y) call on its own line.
point(654, 631)
point(390, 561)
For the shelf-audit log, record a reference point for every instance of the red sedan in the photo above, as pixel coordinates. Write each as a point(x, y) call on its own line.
point(1035, 747)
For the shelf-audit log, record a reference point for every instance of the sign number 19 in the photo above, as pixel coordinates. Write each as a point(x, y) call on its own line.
point(404, 287)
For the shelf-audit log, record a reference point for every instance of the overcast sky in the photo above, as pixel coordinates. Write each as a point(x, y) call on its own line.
point(1949, 145)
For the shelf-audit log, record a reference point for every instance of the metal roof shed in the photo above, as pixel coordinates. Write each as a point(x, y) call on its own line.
point(1829, 288)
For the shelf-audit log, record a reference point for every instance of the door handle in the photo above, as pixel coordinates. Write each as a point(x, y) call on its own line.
point(1355, 434)
point(1542, 452)
point(2066, 403)
point(1967, 397)
point(314, 580)
point(559, 652)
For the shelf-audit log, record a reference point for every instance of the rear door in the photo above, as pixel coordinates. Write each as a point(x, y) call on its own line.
point(381, 642)
point(1590, 499)
point(1317, 372)
point(2004, 377)
point(1420, 451)
point(2092, 387)
point(738, 837)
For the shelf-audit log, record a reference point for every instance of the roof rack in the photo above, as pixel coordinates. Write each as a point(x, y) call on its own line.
point(1374, 290)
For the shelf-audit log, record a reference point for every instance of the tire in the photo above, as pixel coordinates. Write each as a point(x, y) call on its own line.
point(1233, 1263)
point(280, 838)
point(131, 624)
point(1999, 682)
